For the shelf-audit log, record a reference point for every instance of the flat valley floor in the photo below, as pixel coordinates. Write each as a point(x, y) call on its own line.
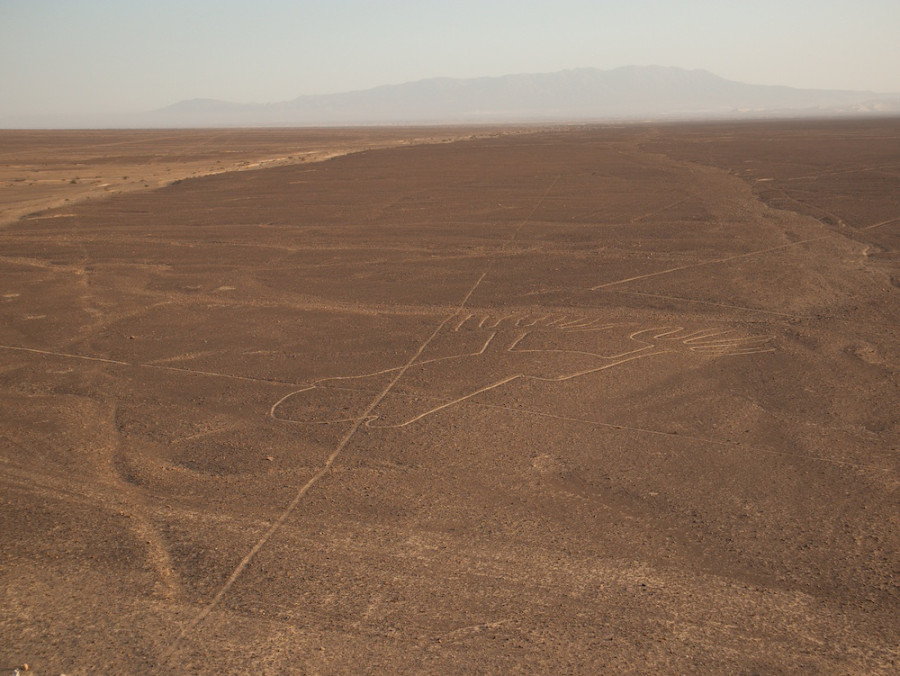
point(576, 400)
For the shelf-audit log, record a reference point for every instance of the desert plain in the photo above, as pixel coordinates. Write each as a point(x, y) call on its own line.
point(589, 399)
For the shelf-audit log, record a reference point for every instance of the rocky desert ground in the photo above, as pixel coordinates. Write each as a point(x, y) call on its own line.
point(594, 399)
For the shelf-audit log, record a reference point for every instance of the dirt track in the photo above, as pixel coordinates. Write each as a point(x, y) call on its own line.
point(589, 400)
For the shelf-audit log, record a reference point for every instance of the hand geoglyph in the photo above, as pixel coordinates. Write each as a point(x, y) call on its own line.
point(476, 352)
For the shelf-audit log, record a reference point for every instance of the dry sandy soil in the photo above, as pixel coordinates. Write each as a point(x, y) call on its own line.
point(41, 170)
point(618, 400)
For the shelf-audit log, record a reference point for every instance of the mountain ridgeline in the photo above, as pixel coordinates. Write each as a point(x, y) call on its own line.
point(584, 94)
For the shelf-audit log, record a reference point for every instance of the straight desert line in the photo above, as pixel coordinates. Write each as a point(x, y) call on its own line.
point(709, 262)
point(312, 481)
point(147, 365)
point(173, 647)
point(878, 225)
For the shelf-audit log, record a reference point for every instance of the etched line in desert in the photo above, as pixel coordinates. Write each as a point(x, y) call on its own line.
point(654, 342)
point(167, 655)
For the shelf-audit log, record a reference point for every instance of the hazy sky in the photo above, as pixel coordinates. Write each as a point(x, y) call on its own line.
point(89, 56)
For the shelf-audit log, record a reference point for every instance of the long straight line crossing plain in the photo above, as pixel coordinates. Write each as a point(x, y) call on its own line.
point(309, 484)
point(709, 262)
point(206, 610)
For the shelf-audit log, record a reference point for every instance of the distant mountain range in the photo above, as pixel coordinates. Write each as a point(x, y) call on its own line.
point(580, 95)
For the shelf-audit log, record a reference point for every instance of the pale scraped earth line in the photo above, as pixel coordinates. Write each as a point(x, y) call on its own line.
point(708, 262)
point(309, 484)
point(173, 647)
point(710, 342)
point(149, 365)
